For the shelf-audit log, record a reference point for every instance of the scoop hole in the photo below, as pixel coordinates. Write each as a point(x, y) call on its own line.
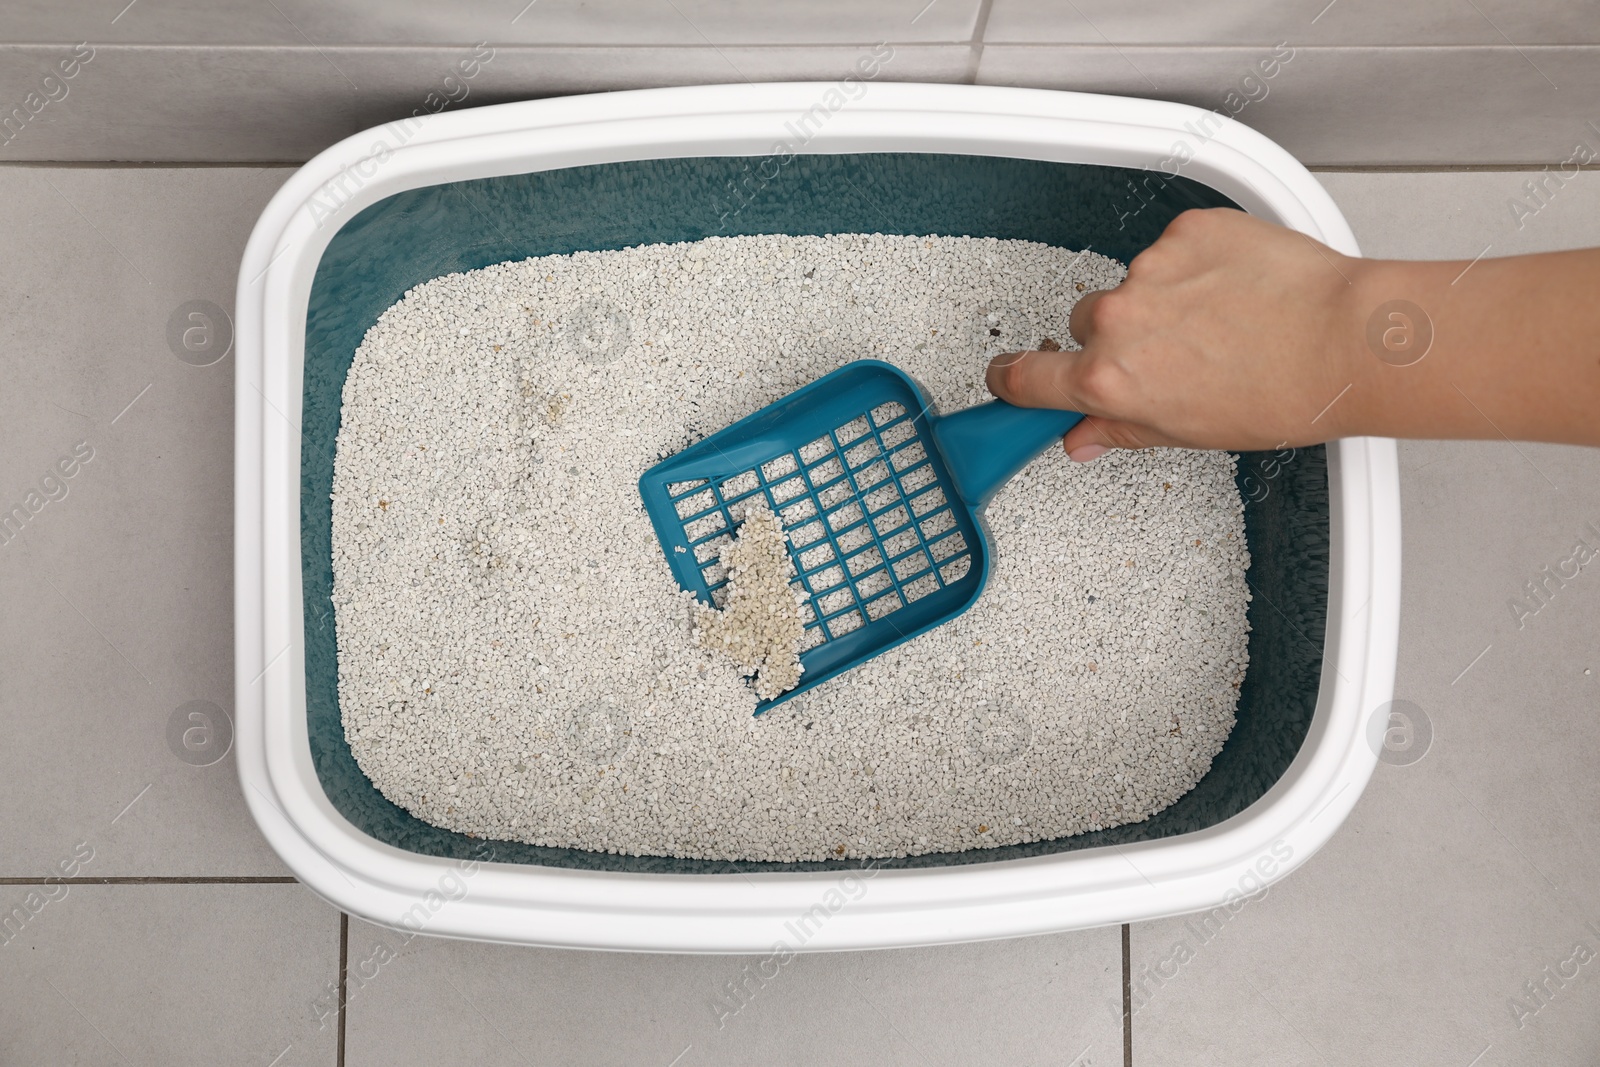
point(706, 526)
point(864, 561)
point(872, 584)
point(913, 564)
point(946, 547)
point(885, 604)
point(955, 570)
point(844, 624)
point(884, 414)
point(814, 451)
point(895, 436)
point(739, 485)
point(781, 467)
point(694, 505)
point(851, 430)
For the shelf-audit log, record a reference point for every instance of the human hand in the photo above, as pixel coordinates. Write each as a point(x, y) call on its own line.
point(1229, 332)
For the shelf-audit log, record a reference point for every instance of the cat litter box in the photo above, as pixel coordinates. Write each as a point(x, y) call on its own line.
point(398, 205)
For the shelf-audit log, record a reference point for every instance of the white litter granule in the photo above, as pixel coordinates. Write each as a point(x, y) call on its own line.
point(517, 662)
point(759, 627)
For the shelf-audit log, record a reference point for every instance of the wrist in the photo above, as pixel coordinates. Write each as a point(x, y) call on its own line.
point(1384, 339)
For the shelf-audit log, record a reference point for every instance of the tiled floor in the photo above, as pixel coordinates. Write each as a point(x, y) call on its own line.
point(1411, 939)
point(1357, 82)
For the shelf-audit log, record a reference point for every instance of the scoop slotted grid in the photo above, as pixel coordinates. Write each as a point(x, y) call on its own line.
point(870, 529)
point(882, 546)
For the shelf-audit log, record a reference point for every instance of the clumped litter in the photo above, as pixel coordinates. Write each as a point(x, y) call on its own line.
point(516, 661)
point(759, 626)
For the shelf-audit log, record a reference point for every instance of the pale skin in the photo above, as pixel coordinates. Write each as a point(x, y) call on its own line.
point(1233, 333)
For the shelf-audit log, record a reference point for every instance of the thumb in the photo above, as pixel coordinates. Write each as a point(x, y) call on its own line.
point(1094, 437)
point(1035, 379)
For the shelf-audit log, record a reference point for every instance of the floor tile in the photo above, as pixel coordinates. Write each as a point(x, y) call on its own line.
point(1459, 877)
point(1409, 106)
point(119, 589)
point(1046, 999)
point(168, 975)
point(1330, 105)
point(155, 103)
point(1461, 214)
point(1413, 937)
point(308, 24)
point(1256, 22)
point(1462, 875)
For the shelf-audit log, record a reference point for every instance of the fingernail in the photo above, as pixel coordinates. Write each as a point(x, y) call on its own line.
point(1085, 453)
point(1006, 359)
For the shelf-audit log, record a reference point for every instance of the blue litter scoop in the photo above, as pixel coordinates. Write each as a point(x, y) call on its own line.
point(881, 497)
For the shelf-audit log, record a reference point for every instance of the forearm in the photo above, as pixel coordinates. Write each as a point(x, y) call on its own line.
point(1231, 332)
point(1515, 349)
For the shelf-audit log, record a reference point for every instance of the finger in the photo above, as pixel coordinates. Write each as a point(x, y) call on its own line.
point(1079, 324)
point(1093, 437)
point(1034, 379)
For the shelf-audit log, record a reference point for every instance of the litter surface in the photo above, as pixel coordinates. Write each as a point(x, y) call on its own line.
point(517, 662)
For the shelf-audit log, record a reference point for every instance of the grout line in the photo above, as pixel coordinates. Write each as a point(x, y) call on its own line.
point(687, 46)
point(772, 46)
point(153, 879)
point(1127, 996)
point(1146, 46)
point(344, 968)
point(980, 26)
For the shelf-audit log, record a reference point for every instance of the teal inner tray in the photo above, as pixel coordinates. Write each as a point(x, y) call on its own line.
point(418, 235)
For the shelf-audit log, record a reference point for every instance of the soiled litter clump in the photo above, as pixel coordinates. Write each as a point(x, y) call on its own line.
point(517, 662)
point(759, 626)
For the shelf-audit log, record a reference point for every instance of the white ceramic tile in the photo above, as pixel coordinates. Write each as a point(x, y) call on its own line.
point(1454, 215)
point(1375, 23)
point(1457, 880)
point(170, 975)
point(1350, 106)
point(1327, 105)
point(287, 104)
point(1459, 877)
point(118, 593)
point(541, 22)
point(1047, 999)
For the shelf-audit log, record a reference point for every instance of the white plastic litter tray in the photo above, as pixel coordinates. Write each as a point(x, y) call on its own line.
point(673, 164)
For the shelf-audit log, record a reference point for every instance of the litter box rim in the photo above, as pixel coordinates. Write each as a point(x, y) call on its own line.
point(858, 906)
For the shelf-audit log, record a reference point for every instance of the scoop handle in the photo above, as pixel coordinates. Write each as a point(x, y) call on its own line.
point(984, 445)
